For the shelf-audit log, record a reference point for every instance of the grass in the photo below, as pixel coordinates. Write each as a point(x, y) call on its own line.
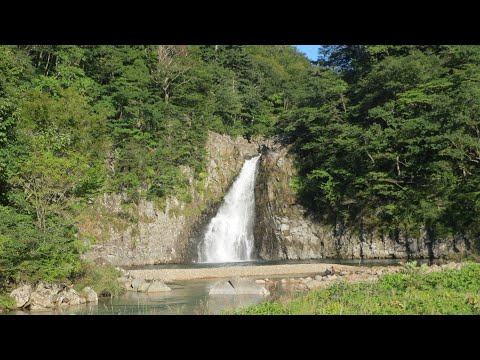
point(6, 302)
point(102, 279)
point(411, 292)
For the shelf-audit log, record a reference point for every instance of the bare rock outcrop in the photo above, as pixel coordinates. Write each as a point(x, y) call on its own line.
point(151, 233)
point(47, 296)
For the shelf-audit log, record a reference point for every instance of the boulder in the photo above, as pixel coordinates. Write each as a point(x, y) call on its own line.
point(59, 300)
point(315, 284)
point(90, 295)
point(71, 297)
point(326, 273)
point(222, 288)
point(238, 287)
point(318, 277)
point(300, 287)
point(451, 265)
point(307, 280)
point(44, 296)
point(74, 297)
point(157, 286)
point(21, 295)
point(136, 283)
point(54, 288)
point(143, 287)
point(260, 281)
point(248, 287)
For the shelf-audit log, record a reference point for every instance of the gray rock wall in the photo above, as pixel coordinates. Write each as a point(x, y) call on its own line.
point(150, 233)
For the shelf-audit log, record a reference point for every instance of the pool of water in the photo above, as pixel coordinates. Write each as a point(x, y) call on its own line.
point(186, 298)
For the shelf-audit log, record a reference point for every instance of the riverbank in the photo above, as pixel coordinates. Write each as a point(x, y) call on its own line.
point(244, 271)
point(411, 291)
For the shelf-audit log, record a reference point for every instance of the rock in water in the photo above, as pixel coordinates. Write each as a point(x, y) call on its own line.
point(238, 287)
point(72, 297)
point(44, 296)
point(222, 288)
point(90, 295)
point(143, 287)
point(248, 287)
point(157, 286)
point(137, 283)
point(21, 295)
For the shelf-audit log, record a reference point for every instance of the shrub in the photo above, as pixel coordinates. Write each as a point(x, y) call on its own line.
point(102, 279)
point(6, 302)
point(28, 253)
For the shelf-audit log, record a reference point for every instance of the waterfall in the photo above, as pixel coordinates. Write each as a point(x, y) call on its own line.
point(229, 235)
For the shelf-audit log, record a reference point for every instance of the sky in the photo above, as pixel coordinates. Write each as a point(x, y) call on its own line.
point(310, 50)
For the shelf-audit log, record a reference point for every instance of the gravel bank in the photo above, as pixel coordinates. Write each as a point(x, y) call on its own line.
point(237, 271)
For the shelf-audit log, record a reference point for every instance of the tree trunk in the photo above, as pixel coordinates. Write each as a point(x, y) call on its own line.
point(343, 103)
point(48, 63)
point(430, 243)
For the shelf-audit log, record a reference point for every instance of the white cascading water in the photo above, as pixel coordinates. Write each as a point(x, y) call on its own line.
point(229, 235)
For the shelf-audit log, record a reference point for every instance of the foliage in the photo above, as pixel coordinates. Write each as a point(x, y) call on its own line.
point(409, 292)
point(390, 137)
point(102, 279)
point(28, 253)
point(6, 302)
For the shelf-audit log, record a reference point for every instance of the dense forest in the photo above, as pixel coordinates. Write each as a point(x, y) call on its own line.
point(391, 139)
point(387, 136)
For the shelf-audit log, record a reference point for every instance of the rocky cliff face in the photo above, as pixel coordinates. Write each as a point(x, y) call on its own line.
point(285, 230)
point(151, 233)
